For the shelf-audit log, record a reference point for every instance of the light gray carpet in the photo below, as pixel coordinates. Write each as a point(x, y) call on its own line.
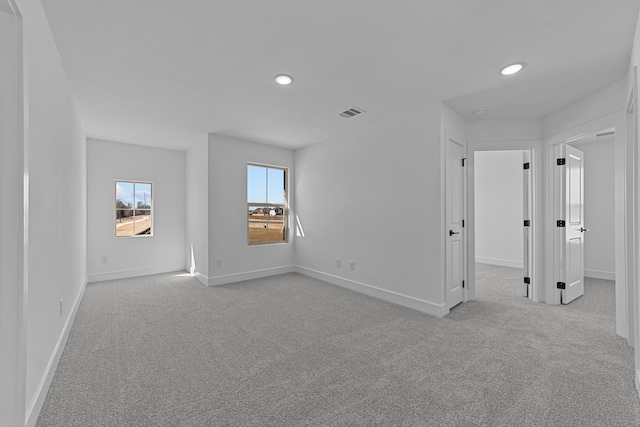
point(289, 350)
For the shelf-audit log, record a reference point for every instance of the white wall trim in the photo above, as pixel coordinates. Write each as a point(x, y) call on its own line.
point(597, 274)
point(201, 278)
point(638, 381)
point(249, 275)
point(500, 262)
point(427, 307)
point(124, 274)
point(33, 411)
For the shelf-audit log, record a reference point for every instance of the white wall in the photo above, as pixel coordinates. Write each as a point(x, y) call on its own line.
point(632, 162)
point(600, 103)
point(134, 256)
point(12, 345)
point(599, 251)
point(499, 207)
point(228, 158)
point(504, 130)
point(634, 235)
point(375, 198)
point(197, 194)
point(57, 204)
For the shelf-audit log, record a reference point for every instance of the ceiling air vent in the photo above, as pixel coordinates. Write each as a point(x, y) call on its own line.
point(606, 133)
point(351, 112)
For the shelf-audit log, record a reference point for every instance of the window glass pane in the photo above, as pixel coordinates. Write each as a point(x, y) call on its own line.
point(266, 204)
point(142, 195)
point(258, 223)
point(133, 208)
point(124, 223)
point(275, 191)
point(256, 184)
point(124, 195)
point(275, 226)
point(142, 223)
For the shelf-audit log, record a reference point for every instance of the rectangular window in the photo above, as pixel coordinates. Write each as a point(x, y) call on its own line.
point(134, 209)
point(266, 204)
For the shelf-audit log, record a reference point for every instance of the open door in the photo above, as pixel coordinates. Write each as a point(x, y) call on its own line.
point(454, 274)
point(572, 227)
point(527, 226)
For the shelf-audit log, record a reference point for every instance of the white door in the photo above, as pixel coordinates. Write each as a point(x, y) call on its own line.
point(454, 274)
point(573, 231)
point(528, 226)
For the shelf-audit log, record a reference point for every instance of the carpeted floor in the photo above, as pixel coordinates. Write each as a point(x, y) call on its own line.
point(290, 350)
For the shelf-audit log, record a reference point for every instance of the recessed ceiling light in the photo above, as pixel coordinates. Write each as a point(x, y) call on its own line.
point(479, 111)
point(283, 79)
point(512, 69)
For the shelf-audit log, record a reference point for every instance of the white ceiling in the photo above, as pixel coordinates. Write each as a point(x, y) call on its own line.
point(6, 7)
point(167, 72)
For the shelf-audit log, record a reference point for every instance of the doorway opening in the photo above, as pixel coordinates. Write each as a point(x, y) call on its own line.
point(503, 224)
point(585, 249)
point(599, 263)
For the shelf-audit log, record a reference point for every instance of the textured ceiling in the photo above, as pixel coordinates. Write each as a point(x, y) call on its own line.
point(165, 73)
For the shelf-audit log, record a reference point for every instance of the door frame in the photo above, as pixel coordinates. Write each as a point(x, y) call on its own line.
point(534, 147)
point(632, 231)
point(622, 180)
point(463, 233)
point(14, 188)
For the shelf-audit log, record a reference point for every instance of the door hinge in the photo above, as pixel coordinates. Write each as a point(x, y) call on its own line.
point(527, 165)
point(463, 283)
point(463, 222)
point(561, 285)
point(560, 223)
point(527, 223)
point(463, 161)
point(561, 161)
point(527, 280)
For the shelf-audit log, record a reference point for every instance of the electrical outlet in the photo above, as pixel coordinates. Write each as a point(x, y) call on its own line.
point(338, 262)
point(105, 260)
point(218, 263)
point(352, 265)
point(61, 307)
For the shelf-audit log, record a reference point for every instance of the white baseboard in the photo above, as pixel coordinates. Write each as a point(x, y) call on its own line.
point(597, 274)
point(249, 275)
point(123, 274)
point(500, 262)
point(201, 278)
point(33, 410)
point(438, 310)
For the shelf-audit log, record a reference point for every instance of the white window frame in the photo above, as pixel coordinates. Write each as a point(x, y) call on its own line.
point(284, 206)
point(116, 209)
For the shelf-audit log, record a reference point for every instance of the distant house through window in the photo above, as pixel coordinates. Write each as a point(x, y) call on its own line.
point(133, 209)
point(266, 204)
